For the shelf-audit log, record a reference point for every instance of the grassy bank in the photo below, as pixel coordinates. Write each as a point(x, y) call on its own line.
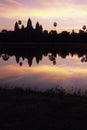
point(22, 110)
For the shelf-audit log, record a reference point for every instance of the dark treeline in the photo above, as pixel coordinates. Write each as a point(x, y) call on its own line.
point(23, 110)
point(38, 53)
point(37, 34)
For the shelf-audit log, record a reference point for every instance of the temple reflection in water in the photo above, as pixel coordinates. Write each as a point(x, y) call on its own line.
point(38, 53)
point(43, 68)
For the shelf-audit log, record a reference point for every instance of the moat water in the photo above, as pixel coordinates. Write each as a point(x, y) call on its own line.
point(43, 70)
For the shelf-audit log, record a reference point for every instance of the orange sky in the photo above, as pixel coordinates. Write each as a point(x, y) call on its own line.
point(69, 14)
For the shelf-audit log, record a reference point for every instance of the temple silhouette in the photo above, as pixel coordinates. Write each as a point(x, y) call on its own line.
point(29, 54)
point(29, 34)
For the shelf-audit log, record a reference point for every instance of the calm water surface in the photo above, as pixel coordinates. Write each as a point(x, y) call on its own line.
point(43, 72)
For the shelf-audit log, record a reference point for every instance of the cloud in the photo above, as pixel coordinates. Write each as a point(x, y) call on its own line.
point(10, 2)
point(79, 2)
point(72, 11)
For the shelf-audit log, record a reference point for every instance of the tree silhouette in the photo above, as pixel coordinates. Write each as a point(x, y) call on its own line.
point(55, 24)
point(84, 28)
point(5, 57)
point(52, 58)
point(4, 31)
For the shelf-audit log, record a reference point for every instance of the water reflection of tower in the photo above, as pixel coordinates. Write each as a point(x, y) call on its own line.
point(30, 59)
point(38, 58)
point(17, 57)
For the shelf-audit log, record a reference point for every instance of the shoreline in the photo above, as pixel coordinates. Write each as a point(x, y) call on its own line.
point(41, 111)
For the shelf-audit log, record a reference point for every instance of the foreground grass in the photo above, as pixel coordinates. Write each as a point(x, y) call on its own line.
point(23, 110)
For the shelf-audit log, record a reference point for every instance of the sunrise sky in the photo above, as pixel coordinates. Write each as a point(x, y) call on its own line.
point(69, 14)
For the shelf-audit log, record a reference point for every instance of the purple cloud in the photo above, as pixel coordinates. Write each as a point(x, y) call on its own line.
point(79, 2)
